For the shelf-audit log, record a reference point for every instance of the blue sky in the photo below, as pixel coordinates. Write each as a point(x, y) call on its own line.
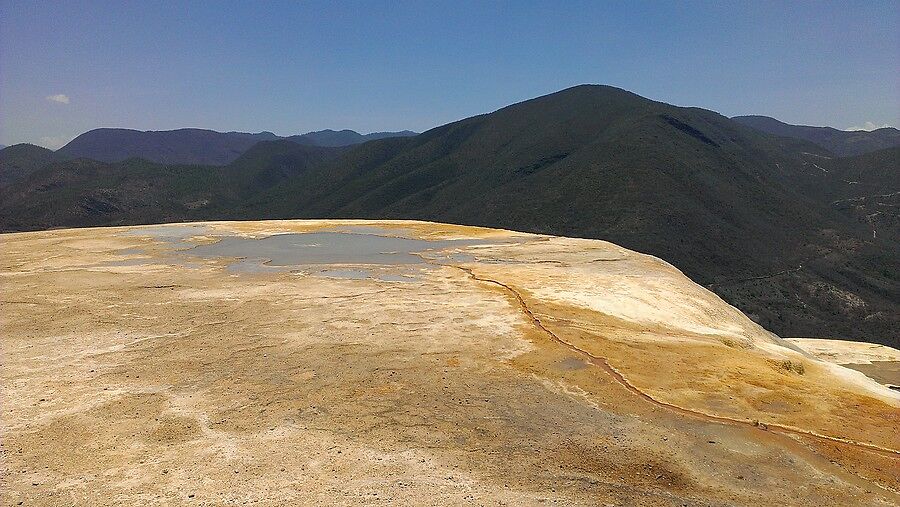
point(292, 67)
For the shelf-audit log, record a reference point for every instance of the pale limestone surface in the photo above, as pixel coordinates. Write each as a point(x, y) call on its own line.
point(526, 370)
point(878, 362)
point(846, 352)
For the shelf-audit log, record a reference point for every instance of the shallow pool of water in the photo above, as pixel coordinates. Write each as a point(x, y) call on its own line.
point(325, 248)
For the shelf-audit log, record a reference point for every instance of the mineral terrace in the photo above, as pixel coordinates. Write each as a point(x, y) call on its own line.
point(408, 363)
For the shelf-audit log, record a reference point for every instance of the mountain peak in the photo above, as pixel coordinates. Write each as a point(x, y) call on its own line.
point(20, 160)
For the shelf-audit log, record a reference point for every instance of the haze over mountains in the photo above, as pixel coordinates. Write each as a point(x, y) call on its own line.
point(195, 146)
point(801, 240)
point(843, 143)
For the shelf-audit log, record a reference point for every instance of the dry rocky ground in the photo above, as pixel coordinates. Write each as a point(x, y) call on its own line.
point(522, 370)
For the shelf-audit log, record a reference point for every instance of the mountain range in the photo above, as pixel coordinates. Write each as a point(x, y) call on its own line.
point(843, 143)
point(195, 146)
point(338, 138)
point(776, 225)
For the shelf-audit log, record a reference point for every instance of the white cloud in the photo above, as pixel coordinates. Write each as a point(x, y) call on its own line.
point(54, 143)
point(59, 97)
point(868, 126)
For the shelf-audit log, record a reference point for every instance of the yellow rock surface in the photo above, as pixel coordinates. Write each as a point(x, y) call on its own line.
point(522, 370)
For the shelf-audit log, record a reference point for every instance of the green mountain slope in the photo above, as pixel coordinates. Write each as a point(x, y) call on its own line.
point(20, 160)
point(866, 187)
point(84, 192)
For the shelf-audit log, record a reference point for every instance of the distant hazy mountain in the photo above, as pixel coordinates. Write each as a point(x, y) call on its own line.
point(194, 146)
point(336, 138)
point(842, 143)
point(183, 146)
point(20, 160)
point(743, 212)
